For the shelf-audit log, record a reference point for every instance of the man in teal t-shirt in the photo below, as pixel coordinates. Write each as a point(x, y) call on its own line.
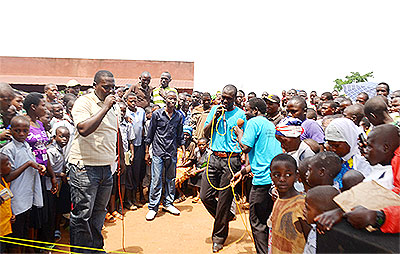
point(220, 122)
point(258, 140)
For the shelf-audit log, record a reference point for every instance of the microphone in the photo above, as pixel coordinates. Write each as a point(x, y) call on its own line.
point(240, 122)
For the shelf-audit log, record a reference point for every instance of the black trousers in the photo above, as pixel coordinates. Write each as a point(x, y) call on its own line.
point(137, 171)
point(220, 176)
point(260, 209)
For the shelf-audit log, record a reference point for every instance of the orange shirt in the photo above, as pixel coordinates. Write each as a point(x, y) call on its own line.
point(5, 214)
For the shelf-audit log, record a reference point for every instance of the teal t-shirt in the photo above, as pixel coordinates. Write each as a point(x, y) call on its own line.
point(226, 143)
point(260, 136)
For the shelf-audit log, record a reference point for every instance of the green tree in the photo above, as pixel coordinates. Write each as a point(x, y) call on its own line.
point(355, 77)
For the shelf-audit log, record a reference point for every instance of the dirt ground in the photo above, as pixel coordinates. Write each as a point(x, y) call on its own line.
point(188, 233)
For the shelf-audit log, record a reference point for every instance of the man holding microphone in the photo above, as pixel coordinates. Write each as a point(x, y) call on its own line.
point(220, 123)
point(93, 150)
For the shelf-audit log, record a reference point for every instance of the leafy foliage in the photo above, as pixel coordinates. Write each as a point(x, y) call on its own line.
point(355, 77)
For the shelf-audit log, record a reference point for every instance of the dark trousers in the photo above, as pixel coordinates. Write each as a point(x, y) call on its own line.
point(137, 170)
point(219, 175)
point(260, 209)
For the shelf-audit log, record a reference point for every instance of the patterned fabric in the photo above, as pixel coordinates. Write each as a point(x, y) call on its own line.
point(289, 127)
point(354, 89)
point(346, 166)
point(157, 99)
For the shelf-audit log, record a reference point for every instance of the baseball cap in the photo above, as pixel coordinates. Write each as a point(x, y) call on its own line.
point(73, 83)
point(273, 98)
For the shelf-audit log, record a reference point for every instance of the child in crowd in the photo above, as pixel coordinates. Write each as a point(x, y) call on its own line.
point(6, 215)
point(24, 178)
point(18, 102)
point(323, 169)
point(61, 201)
point(303, 168)
point(146, 180)
point(201, 156)
point(351, 178)
point(58, 113)
point(288, 227)
point(318, 200)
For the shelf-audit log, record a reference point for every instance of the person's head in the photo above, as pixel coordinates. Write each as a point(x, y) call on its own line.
point(18, 101)
point(264, 95)
point(148, 112)
point(355, 113)
point(323, 168)
point(313, 94)
point(51, 91)
point(122, 107)
point(296, 107)
point(376, 110)
point(181, 100)
point(35, 105)
point(346, 102)
point(240, 98)
point(104, 84)
point(303, 169)
point(255, 107)
point(362, 98)
point(73, 87)
point(9, 114)
point(145, 78)
point(335, 94)
point(131, 100)
point(311, 114)
point(196, 98)
point(291, 93)
point(165, 79)
point(395, 107)
point(288, 133)
point(319, 200)
point(206, 100)
point(350, 179)
point(187, 133)
point(382, 89)
point(58, 111)
point(6, 96)
point(273, 104)
point(251, 95)
point(328, 108)
point(284, 174)
point(326, 120)
point(202, 144)
point(20, 128)
point(69, 107)
point(46, 119)
point(171, 99)
point(365, 124)
point(5, 165)
point(326, 96)
point(120, 92)
point(229, 96)
point(342, 137)
point(303, 94)
point(382, 141)
point(68, 97)
point(62, 136)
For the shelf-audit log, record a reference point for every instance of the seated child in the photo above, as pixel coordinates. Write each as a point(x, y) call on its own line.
point(351, 178)
point(382, 141)
point(318, 200)
point(61, 201)
point(24, 177)
point(6, 216)
point(323, 169)
point(288, 227)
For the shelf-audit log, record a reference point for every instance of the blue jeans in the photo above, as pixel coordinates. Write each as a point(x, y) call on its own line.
point(90, 192)
point(157, 166)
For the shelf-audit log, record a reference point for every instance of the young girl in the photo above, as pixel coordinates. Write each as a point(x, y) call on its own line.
point(289, 228)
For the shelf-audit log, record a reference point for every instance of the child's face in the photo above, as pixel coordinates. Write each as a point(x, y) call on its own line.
point(62, 137)
point(18, 102)
point(5, 167)
point(312, 175)
point(186, 136)
point(20, 131)
point(123, 110)
point(202, 145)
point(326, 110)
point(283, 175)
point(58, 111)
point(131, 101)
point(303, 168)
point(310, 211)
point(375, 152)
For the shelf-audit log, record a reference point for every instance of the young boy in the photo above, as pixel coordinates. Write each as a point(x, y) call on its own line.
point(24, 178)
point(323, 169)
point(6, 216)
point(289, 229)
point(318, 200)
point(61, 201)
point(351, 178)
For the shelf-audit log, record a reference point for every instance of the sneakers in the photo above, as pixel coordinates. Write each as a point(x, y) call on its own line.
point(151, 214)
point(172, 209)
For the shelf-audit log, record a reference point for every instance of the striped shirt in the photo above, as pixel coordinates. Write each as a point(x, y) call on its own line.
point(157, 99)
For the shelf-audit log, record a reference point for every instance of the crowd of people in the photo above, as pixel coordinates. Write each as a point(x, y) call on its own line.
point(78, 158)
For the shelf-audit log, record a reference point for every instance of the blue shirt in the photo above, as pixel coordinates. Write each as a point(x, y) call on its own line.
point(138, 118)
point(260, 136)
point(226, 143)
point(165, 133)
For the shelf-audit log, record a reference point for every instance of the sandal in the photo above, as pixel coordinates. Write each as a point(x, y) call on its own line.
point(117, 215)
point(109, 218)
point(180, 200)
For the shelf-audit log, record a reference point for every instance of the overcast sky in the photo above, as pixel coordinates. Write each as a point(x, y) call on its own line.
point(255, 45)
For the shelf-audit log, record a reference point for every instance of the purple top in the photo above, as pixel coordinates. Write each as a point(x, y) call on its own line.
point(312, 130)
point(38, 140)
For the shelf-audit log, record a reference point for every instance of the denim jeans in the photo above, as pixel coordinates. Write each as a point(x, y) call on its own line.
point(90, 192)
point(157, 165)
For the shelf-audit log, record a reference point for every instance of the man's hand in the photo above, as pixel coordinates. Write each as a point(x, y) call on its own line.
point(5, 135)
point(218, 113)
point(238, 131)
point(147, 158)
point(54, 185)
point(274, 194)
point(110, 100)
point(12, 220)
point(237, 178)
point(326, 220)
point(360, 217)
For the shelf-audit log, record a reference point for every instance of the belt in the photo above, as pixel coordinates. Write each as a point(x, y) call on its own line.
point(225, 154)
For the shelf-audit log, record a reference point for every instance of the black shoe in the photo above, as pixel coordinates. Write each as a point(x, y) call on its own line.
point(217, 247)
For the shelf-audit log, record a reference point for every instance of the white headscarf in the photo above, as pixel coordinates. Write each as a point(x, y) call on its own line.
point(343, 129)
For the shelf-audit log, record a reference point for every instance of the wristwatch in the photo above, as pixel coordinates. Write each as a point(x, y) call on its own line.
point(380, 219)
